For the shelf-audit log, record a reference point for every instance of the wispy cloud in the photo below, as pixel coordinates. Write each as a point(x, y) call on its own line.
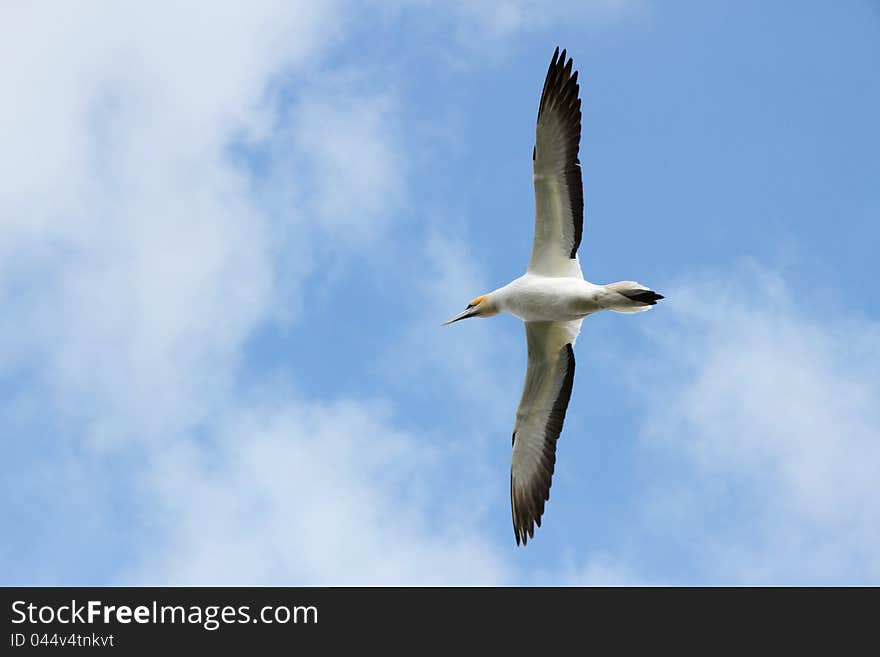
point(771, 403)
point(501, 18)
point(138, 255)
point(305, 493)
point(153, 261)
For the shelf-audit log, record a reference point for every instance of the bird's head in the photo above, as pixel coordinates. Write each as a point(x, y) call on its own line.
point(482, 306)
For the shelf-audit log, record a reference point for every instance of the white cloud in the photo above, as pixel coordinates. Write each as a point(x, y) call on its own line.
point(321, 494)
point(138, 258)
point(501, 18)
point(602, 570)
point(773, 402)
point(357, 173)
point(151, 257)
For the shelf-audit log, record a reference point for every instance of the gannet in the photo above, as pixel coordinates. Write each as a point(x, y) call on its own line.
point(552, 297)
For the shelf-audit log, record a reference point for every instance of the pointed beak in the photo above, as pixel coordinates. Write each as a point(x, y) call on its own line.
point(470, 312)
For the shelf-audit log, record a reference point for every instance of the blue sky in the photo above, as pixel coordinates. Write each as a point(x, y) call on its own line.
point(227, 243)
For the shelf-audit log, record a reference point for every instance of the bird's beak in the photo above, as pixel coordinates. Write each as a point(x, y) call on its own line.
point(470, 312)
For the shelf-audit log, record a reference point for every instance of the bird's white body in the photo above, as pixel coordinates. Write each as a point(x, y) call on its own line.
point(538, 298)
point(552, 297)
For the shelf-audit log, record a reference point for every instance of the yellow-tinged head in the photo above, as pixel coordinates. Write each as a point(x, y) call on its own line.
point(481, 306)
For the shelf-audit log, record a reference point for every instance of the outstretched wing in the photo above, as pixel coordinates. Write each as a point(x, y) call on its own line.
point(539, 418)
point(559, 192)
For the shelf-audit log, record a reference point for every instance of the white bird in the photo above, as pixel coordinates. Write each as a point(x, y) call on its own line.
point(552, 297)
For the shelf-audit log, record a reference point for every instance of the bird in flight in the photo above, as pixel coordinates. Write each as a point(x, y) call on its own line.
point(552, 297)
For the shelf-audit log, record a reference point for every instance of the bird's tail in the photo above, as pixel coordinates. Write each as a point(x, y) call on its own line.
point(635, 297)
